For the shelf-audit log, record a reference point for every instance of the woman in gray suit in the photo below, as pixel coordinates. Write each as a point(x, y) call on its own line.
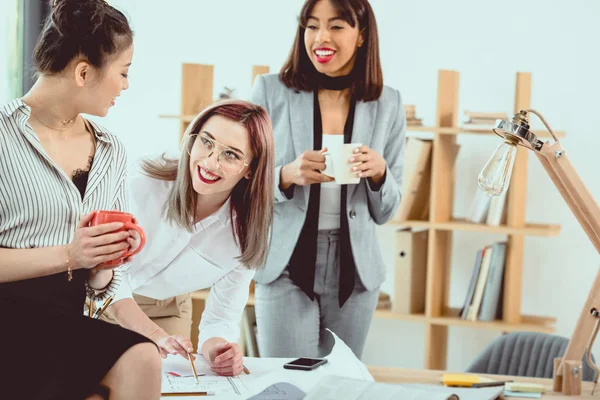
point(324, 267)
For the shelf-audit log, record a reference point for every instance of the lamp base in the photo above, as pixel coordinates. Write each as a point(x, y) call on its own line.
point(569, 380)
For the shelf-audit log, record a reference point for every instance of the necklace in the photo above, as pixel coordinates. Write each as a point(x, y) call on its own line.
point(65, 122)
point(63, 128)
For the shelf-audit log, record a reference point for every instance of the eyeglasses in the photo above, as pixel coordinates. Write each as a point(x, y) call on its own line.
point(229, 161)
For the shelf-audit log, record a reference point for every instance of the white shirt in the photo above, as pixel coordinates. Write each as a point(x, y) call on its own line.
point(175, 261)
point(331, 192)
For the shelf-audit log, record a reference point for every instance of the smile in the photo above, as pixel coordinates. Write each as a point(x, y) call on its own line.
point(207, 177)
point(324, 55)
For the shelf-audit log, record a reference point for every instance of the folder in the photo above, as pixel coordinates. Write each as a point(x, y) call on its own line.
point(410, 272)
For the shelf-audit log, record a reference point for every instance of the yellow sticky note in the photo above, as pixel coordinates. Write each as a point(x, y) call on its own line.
point(464, 380)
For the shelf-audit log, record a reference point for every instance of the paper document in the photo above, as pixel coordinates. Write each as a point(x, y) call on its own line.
point(280, 391)
point(335, 387)
point(219, 385)
point(208, 381)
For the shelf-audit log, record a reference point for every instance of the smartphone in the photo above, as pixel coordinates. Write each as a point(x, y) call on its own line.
point(305, 364)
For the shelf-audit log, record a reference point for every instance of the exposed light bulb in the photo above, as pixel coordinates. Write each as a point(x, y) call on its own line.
point(495, 176)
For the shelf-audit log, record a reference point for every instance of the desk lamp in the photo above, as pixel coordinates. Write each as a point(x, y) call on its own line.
point(494, 180)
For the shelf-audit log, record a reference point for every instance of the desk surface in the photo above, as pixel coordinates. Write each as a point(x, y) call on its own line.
point(403, 375)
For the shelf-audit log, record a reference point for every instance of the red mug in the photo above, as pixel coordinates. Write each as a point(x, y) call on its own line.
point(105, 217)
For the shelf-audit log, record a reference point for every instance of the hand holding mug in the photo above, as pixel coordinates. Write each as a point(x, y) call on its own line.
point(129, 224)
point(305, 170)
point(372, 164)
point(96, 244)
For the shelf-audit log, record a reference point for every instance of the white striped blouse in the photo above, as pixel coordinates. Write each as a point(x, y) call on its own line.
point(40, 206)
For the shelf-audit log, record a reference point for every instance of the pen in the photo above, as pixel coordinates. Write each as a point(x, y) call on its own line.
point(99, 311)
point(193, 366)
point(489, 384)
point(189, 394)
point(246, 370)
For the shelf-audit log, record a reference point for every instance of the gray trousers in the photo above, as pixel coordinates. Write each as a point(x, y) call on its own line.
point(291, 325)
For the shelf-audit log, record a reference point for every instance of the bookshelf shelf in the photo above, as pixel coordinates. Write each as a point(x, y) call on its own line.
point(428, 207)
point(528, 324)
point(462, 130)
point(462, 225)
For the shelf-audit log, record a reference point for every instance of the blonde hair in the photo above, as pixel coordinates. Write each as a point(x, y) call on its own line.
point(251, 199)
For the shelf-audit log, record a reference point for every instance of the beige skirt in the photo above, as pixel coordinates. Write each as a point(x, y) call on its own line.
point(173, 314)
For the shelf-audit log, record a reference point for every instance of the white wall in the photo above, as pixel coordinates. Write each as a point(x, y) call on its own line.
point(486, 41)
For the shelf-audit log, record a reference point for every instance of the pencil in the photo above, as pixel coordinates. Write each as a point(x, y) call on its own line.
point(193, 366)
point(246, 370)
point(104, 307)
point(489, 384)
point(91, 313)
point(189, 394)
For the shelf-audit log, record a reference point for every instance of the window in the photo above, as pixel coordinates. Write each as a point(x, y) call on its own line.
point(10, 49)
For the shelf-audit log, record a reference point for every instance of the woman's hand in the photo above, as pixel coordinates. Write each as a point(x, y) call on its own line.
point(134, 241)
point(372, 165)
point(93, 245)
point(305, 170)
point(172, 344)
point(226, 358)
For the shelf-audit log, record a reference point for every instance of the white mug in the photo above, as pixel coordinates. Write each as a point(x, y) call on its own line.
point(337, 165)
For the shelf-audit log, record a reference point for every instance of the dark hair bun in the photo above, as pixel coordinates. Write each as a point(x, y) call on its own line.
point(91, 29)
point(78, 17)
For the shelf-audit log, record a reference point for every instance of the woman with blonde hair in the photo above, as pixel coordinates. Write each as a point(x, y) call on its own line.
point(207, 219)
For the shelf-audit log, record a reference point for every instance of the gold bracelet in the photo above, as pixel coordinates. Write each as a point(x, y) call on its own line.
point(69, 270)
point(153, 332)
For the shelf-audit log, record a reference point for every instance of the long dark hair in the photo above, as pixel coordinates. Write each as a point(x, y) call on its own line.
point(298, 72)
point(90, 29)
point(251, 200)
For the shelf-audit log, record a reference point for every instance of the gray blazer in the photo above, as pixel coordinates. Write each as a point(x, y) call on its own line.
point(379, 124)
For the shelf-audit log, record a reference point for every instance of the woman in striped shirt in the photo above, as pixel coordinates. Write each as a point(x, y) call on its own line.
point(55, 168)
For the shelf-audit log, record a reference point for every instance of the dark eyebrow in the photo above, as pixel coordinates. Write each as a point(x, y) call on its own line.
point(330, 19)
point(213, 138)
point(128, 65)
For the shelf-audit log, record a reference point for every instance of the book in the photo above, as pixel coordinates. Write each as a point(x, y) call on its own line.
point(479, 207)
point(474, 276)
point(478, 115)
point(497, 210)
point(384, 302)
point(490, 304)
point(481, 281)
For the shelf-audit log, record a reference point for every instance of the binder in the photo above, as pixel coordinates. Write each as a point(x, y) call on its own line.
point(417, 165)
point(410, 272)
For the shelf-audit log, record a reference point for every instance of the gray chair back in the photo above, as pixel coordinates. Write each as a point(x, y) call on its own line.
point(527, 354)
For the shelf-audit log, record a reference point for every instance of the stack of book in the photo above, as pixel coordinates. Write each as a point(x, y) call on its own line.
point(411, 115)
point(482, 120)
point(484, 296)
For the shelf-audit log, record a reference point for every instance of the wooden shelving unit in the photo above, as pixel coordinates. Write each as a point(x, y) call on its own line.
point(441, 225)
